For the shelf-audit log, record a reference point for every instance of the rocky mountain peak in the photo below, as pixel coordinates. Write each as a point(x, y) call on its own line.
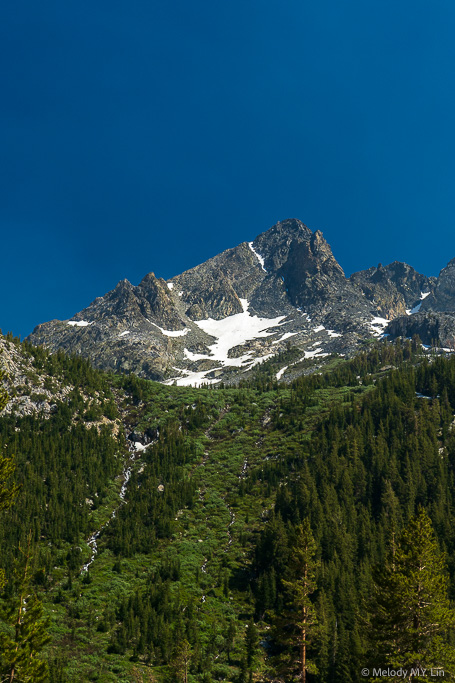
point(322, 252)
point(156, 302)
point(311, 273)
point(273, 245)
point(216, 321)
point(124, 285)
point(289, 228)
point(442, 298)
point(447, 271)
point(394, 289)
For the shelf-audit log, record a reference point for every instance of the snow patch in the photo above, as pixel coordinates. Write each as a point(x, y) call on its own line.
point(258, 361)
point(80, 323)
point(193, 356)
point(281, 372)
point(192, 378)
point(331, 333)
point(172, 333)
point(170, 285)
point(235, 330)
point(416, 309)
point(377, 325)
point(122, 334)
point(258, 256)
point(317, 352)
point(285, 336)
point(140, 446)
point(229, 332)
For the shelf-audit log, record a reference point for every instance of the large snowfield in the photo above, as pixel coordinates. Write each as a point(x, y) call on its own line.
point(235, 330)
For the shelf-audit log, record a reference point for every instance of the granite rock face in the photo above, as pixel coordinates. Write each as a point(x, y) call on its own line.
point(218, 320)
point(433, 318)
point(443, 294)
point(433, 328)
point(30, 391)
point(394, 289)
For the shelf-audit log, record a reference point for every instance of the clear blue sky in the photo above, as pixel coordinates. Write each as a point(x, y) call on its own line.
point(140, 136)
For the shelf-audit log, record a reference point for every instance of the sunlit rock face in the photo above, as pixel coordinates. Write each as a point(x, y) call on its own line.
point(395, 288)
point(217, 321)
point(433, 316)
point(442, 297)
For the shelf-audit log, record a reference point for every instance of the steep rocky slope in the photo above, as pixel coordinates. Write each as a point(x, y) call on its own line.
point(433, 318)
point(30, 391)
point(218, 320)
point(442, 296)
point(433, 328)
point(395, 288)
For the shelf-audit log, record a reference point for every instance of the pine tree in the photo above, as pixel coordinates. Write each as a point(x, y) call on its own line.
point(3, 394)
point(412, 616)
point(296, 626)
point(229, 639)
point(182, 661)
point(251, 645)
point(142, 676)
point(23, 635)
point(7, 493)
point(7, 468)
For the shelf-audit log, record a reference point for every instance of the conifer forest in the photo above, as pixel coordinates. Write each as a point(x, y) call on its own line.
point(267, 531)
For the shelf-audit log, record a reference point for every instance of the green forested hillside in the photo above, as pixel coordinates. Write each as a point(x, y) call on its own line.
point(193, 572)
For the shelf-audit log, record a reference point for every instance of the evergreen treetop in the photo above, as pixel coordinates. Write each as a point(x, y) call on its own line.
point(412, 616)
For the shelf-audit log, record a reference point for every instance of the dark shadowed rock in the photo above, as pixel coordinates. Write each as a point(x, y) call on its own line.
point(275, 244)
point(433, 328)
point(443, 295)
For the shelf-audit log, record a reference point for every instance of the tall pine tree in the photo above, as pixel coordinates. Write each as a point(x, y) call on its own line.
point(296, 626)
point(7, 467)
point(23, 631)
point(412, 615)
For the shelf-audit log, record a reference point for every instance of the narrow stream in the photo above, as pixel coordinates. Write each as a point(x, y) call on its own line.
point(229, 528)
point(126, 474)
point(244, 468)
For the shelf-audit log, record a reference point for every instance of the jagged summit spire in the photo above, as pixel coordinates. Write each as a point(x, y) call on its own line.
point(274, 243)
point(290, 227)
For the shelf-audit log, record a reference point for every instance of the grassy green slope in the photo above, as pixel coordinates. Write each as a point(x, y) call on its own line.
point(221, 442)
point(184, 556)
